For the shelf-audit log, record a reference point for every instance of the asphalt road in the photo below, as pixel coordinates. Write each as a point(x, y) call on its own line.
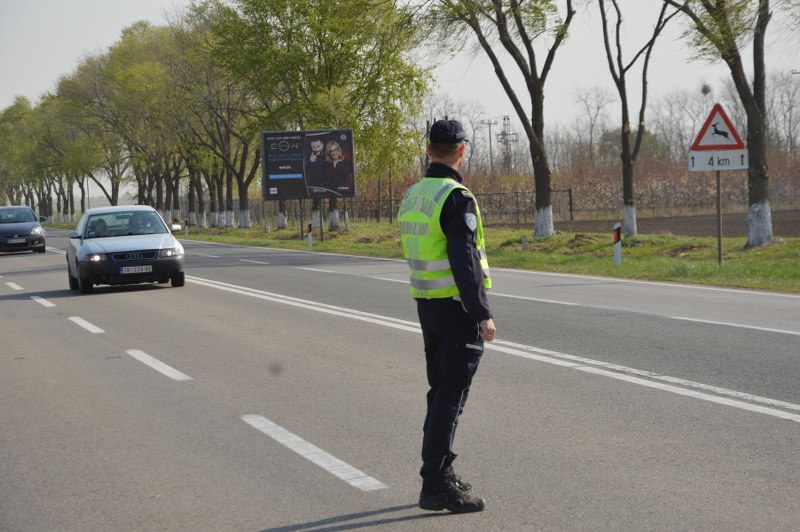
point(285, 390)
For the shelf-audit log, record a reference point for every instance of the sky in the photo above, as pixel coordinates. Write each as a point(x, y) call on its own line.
point(42, 40)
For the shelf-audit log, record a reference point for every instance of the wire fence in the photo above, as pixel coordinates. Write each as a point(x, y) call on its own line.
point(690, 195)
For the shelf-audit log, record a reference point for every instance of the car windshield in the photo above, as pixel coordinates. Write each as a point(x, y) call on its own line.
point(124, 223)
point(13, 216)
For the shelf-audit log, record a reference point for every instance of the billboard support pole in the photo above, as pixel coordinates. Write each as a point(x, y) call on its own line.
point(321, 219)
point(302, 225)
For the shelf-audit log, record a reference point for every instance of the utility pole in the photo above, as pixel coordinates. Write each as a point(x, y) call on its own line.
point(490, 123)
point(506, 137)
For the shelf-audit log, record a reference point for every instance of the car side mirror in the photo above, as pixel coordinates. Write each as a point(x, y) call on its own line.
point(175, 227)
point(42, 218)
point(74, 234)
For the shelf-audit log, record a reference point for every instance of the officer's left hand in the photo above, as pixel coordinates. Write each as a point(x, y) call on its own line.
point(488, 330)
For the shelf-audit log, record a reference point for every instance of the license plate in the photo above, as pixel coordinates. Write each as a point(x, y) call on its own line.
point(136, 269)
point(15, 241)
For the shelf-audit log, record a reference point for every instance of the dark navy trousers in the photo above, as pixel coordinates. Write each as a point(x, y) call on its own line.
point(453, 349)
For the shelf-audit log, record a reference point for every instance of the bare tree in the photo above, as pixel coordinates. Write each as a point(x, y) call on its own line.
point(619, 70)
point(593, 100)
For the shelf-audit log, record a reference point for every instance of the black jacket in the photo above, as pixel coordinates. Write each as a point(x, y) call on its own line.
point(464, 257)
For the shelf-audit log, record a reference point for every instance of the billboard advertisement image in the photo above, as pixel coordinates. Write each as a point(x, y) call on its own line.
point(307, 164)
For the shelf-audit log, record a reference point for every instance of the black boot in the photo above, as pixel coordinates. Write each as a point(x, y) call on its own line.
point(444, 490)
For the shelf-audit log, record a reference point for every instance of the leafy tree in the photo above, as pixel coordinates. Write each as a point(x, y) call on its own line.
point(719, 29)
point(13, 171)
point(329, 65)
point(518, 26)
point(218, 113)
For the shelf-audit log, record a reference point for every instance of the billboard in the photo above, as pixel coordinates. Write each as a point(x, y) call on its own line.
point(307, 164)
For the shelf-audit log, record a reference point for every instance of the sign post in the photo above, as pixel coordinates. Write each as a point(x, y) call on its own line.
point(718, 147)
point(617, 245)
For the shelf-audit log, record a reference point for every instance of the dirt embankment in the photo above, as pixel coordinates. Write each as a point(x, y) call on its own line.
point(784, 224)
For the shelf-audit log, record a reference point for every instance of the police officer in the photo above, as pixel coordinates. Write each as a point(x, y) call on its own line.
point(442, 234)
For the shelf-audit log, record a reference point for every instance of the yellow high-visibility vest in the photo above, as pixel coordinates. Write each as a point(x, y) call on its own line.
point(424, 242)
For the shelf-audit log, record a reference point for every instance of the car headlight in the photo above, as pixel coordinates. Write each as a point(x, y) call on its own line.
point(37, 231)
point(171, 252)
point(96, 257)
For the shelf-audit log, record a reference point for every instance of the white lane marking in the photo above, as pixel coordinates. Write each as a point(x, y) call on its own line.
point(551, 274)
point(404, 281)
point(157, 365)
point(56, 250)
point(14, 286)
point(617, 369)
point(86, 325)
point(253, 261)
point(42, 301)
point(195, 254)
point(536, 299)
point(542, 355)
point(311, 452)
point(766, 329)
point(653, 283)
point(314, 269)
point(310, 305)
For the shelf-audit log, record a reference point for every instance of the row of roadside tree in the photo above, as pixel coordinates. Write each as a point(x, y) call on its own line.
point(175, 111)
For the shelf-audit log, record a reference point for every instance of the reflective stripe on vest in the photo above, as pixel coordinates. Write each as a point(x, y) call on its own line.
point(424, 242)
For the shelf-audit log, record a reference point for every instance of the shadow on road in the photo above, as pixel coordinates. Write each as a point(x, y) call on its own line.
point(346, 522)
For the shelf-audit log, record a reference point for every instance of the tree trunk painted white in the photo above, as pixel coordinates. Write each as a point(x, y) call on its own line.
point(315, 218)
point(629, 223)
point(282, 221)
point(214, 219)
point(543, 222)
point(228, 218)
point(346, 220)
point(333, 220)
point(759, 222)
point(244, 218)
point(192, 218)
point(201, 220)
point(176, 215)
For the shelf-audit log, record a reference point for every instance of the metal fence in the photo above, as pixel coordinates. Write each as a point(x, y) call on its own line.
point(592, 201)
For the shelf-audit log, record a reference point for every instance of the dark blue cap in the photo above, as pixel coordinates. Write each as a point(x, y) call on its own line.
point(447, 132)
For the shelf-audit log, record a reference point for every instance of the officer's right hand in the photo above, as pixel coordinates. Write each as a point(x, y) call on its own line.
point(488, 330)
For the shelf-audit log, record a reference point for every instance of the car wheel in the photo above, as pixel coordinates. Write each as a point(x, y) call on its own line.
point(40, 250)
point(85, 285)
point(178, 279)
point(73, 282)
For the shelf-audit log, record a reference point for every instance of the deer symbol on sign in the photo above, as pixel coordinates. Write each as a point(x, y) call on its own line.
point(718, 132)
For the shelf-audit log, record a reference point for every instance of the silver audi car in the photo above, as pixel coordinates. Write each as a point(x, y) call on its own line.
point(123, 245)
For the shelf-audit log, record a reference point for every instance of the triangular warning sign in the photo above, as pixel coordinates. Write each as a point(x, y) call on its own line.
point(717, 133)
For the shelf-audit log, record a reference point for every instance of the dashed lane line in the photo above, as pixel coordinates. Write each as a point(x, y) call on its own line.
point(157, 365)
point(86, 325)
point(331, 464)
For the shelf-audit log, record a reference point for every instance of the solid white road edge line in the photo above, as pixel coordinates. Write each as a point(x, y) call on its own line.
point(42, 301)
point(86, 325)
point(314, 269)
point(727, 324)
point(14, 286)
point(328, 462)
point(157, 365)
point(253, 261)
point(616, 368)
point(541, 355)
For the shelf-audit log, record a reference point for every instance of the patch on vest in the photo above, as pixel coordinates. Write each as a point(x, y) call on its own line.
point(472, 221)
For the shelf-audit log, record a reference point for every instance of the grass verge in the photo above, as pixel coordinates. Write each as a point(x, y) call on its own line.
point(775, 266)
